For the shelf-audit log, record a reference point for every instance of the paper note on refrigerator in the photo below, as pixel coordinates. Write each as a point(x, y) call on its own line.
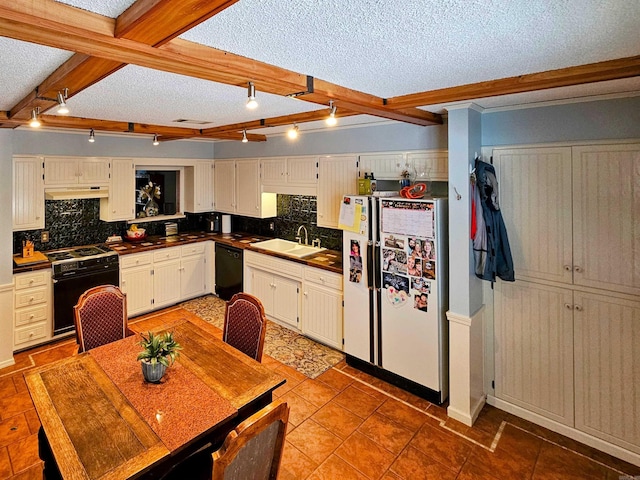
point(350, 217)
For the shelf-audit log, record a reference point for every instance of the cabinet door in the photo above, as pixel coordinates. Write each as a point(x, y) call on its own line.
point(122, 196)
point(428, 166)
point(535, 199)
point(337, 176)
point(534, 348)
point(28, 193)
point(193, 276)
point(137, 283)
point(607, 368)
point(606, 208)
point(262, 287)
point(166, 278)
point(93, 171)
point(286, 304)
point(387, 166)
point(60, 171)
point(224, 190)
point(302, 170)
point(322, 314)
point(248, 187)
point(273, 171)
point(199, 185)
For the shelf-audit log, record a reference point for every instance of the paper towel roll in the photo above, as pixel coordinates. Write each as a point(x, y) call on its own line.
point(226, 223)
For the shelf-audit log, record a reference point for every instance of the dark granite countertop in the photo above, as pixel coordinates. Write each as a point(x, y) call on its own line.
point(330, 260)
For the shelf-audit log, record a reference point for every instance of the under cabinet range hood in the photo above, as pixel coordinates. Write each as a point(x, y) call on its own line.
point(75, 193)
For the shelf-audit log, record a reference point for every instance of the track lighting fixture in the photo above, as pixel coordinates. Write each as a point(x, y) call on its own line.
point(292, 133)
point(331, 119)
point(244, 136)
point(251, 96)
point(62, 101)
point(35, 118)
point(155, 139)
point(92, 136)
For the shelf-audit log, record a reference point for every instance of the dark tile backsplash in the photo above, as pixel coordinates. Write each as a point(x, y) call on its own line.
point(77, 222)
point(293, 211)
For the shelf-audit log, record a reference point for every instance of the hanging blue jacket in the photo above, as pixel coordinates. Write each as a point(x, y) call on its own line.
point(497, 258)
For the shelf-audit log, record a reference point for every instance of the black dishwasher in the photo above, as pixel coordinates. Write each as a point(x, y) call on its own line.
point(228, 271)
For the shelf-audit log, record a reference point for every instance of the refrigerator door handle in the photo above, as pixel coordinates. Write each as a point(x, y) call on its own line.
point(370, 264)
point(377, 266)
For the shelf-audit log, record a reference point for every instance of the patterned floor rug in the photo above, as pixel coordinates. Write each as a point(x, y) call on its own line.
point(285, 345)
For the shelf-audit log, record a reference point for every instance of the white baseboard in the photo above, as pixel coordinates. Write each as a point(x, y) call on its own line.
point(464, 417)
point(7, 363)
point(567, 431)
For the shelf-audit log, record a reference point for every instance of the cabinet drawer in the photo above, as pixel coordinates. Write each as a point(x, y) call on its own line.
point(30, 297)
point(275, 265)
point(128, 261)
point(32, 279)
point(322, 277)
point(166, 254)
point(28, 315)
point(30, 333)
point(193, 249)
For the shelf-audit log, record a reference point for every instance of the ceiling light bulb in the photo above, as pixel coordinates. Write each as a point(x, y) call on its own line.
point(251, 94)
point(331, 119)
point(244, 136)
point(155, 139)
point(292, 133)
point(62, 104)
point(92, 136)
point(35, 121)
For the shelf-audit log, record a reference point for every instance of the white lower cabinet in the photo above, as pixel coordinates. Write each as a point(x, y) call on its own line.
point(164, 277)
point(322, 306)
point(304, 298)
point(32, 308)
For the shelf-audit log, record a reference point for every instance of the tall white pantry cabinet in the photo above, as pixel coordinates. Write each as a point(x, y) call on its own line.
point(567, 332)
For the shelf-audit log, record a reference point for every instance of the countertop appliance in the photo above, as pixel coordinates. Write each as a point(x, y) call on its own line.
point(75, 270)
point(213, 223)
point(228, 271)
point(396, 291)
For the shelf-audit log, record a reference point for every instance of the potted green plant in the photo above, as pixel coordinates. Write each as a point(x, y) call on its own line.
point(159, 352)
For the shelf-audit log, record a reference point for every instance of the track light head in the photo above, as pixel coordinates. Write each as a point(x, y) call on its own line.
point(62, 103)
point(155, 139)
point(292, 133)
point(35, 120)
point(251, 96)
point(92, 136)
point(244, 136)
point(331, 119)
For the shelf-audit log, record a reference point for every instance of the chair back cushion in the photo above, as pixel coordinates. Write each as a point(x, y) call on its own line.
point(101, 317)
point(256, 458)
point(244, 325)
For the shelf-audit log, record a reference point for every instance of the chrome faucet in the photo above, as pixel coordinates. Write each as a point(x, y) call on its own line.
point(306, 236)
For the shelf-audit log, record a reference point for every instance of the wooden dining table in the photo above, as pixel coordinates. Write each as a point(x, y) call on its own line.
point(101, 420)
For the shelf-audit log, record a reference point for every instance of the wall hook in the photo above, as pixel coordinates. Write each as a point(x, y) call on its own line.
point(458, 196)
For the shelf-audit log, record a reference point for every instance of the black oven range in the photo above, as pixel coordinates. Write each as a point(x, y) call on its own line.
point(75, 270)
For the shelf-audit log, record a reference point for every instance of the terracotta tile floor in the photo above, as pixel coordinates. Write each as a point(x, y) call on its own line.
point(347, 425)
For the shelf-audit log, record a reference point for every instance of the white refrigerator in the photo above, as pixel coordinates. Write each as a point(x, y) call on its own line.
point(396, 291)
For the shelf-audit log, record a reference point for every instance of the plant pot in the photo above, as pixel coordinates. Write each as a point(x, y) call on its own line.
point(152, 372)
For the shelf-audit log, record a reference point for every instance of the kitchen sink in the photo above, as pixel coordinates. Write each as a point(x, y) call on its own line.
point(287, 247)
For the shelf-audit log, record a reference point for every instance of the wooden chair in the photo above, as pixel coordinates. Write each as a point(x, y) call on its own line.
point(245, 325)
point(100, 317)
point(252, 451)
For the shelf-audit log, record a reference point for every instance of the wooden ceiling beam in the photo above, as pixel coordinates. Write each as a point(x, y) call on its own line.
point(177, 56)
point(252, 137)
point(149, 22)
point(562, 77)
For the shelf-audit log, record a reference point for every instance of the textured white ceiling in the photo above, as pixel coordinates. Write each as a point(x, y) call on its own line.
point(383, 47)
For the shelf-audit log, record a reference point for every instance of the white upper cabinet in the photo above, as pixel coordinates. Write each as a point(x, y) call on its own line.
point(66, 171)
point(606, 210)
point(385, 166)
point(337, 176)
point(199, 184)
point(120, 205)
point(429, 166)
point(28, 193)
point(237, 189)
point(289, 175)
